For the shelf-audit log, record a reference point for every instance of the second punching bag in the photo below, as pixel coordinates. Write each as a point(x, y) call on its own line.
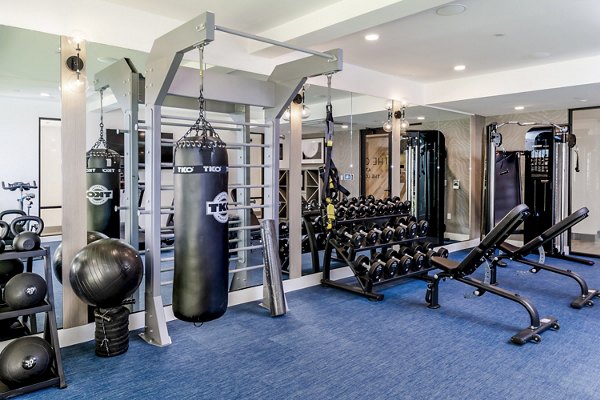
point(103, 192)
point(200, 284)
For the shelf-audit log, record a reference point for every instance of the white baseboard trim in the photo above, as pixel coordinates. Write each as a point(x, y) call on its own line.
point(85, 333)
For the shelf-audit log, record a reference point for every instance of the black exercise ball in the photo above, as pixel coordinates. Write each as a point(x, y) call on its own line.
point(25, 290)
point(10, 268)
point(92, 236)
point(25, 361)
point(106, 272)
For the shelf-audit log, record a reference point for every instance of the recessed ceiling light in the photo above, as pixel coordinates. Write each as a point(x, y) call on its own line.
point(371, 37)
point(583, 100)
point(460, 67)
point(420, 118)
point(344, 126)
point(519, 108)
point(44, 94)
point(450, 9)
point(498, 34)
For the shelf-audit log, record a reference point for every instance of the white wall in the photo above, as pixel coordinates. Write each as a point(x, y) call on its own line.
point(19, 138)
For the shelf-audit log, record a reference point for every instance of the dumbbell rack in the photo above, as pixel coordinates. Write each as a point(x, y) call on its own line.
point(365, 284)
point(56, 375)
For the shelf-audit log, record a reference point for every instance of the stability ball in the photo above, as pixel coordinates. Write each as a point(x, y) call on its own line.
point(25, 360)
point(92, 236)
point(106, 272)
point(10, 268)
point(25, 290)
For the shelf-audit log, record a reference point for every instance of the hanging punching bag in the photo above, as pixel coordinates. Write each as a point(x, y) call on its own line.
point(200, 284)
point(103, 191)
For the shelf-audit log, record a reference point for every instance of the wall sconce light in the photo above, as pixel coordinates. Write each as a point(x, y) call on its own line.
point(401, 115)
point(387, 125)
point(298, 99)
point(75, 63)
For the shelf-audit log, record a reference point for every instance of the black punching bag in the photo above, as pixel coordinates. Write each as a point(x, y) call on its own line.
point(103, 192)
point(200, 283)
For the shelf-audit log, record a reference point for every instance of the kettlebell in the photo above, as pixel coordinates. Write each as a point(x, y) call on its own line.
point(26, 240)
point(9, 236)
point(4, 229)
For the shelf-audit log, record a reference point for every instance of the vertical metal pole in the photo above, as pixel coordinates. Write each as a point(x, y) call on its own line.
point(131, 163)
point(155, 331)
point(294, 191)
point(561, 186)
point(410, 168)
point(395, 151)
point(488, 218)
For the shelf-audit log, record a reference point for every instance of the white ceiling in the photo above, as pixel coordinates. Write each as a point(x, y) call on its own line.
point(425, 46)
point(531, 63)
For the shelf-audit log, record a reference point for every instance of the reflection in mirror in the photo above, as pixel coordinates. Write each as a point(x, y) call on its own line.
point(29, 115)
point(585, 189)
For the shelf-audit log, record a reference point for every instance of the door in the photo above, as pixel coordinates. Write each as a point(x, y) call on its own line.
point(375, 176)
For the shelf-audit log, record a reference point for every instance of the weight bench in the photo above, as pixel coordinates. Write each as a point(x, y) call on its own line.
point(518, 254)
point(460, 271)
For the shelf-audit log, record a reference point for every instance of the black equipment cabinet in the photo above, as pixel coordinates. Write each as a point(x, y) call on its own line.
point(364, 284)
point(539, 182)
point(56, 376)
point(429, 176)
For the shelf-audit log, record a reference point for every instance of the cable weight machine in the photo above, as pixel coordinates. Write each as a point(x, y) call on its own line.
point(547, 182)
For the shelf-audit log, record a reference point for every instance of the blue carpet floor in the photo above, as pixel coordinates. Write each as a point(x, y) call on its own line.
point(336, 345)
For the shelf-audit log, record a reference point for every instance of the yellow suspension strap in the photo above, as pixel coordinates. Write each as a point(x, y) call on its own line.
point(329, 172)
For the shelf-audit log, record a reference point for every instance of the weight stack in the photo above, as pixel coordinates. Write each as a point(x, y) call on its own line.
point(112, 331)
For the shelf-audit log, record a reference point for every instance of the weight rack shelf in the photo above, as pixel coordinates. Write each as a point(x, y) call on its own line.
point(365, 284)
point(56, 375)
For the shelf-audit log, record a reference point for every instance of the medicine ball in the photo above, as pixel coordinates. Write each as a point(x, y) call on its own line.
point(25, 290)
point(106, 272)
point(92, 236)
point(25, 360)
point(10, 268)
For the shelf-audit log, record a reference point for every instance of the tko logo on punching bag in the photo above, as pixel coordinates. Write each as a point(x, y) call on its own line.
point(98, 195)
point(218, 208)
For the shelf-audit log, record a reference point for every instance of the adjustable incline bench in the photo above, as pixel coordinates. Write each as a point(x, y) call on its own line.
point(518, 254)
point(461, 271)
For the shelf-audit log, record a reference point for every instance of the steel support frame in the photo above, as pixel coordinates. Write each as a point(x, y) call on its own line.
point(123, 79)
point(161, 70)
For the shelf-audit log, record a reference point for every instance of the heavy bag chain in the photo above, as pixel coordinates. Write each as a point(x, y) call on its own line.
point(101, 140)
point(202, 128)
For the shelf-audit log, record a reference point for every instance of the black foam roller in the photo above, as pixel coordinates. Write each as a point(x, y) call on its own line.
point(200, 284)
point(103, 191)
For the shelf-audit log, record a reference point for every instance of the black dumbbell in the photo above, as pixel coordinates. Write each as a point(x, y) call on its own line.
point(405, 207)
point(441, 252)
point(371, 209)
point(321, 239)
point(386, 235)
point(284, 228)
point(394, 204)
point(391, 264)
point(284, 248)
point(423, 227)
point(410, 226)
point(405, 263)
point(419, 259)
point(373, 270)
point(355, 239)
point(305, 244)
point(399, 232)
point(370, 236)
